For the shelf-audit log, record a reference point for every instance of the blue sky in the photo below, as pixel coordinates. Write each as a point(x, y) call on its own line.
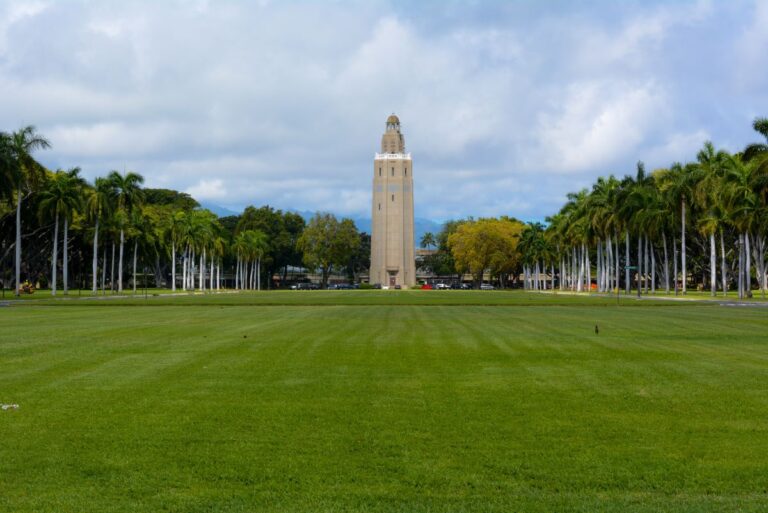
point(505, 106)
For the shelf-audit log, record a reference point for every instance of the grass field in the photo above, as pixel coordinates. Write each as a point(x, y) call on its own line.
point(381, 401)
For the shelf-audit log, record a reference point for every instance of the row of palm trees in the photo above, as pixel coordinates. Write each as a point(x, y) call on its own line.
point(114, 205)
point(642, 228)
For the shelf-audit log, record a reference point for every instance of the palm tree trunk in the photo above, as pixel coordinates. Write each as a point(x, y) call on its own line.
point(639, 261)
point(173, 266)
point(55, 256)
point(763, 276)
point(258, 273)
point(626, 262)
point(589, 268)
point(112, 270)
point(666, 263)
point(192, 270)
point(120, 264)
point(723, 274)
point(17, 248)
point(552, 276)
point(95, 264)
point(616, 268)
point(65, 274)
point(682, 246)
point(202, 270)
point(653, 265)
point(646, 263)
point(104, 272)
point(599, 265)
point(135, 251)
point(674, 254)
point(740, 279)
point(580, 278)
point(747, 266)
point(712, 279)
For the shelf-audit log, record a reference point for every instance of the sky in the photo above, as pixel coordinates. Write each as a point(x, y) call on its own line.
point(505, 106)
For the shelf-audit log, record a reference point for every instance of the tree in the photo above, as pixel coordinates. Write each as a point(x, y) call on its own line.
point(60, 197)
point(326, 242)
point(99, 205)
point(479, 245)
point(360, 258)
point(129, 195)
point(428, 240)
point(757, 153)
point(26, 174)
point(711, 168)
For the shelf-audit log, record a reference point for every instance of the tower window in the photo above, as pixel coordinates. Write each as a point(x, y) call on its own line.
point(379, 171)
point(379, 206)
point(406, 171)
point(393, 171)
point(393, 197)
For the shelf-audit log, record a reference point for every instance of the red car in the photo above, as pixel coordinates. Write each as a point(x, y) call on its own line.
point(426, 286)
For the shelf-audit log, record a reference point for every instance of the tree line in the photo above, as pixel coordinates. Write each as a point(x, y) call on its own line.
point(701, 223)
point(54, 222)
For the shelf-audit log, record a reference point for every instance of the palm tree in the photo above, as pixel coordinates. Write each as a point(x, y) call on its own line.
point(99, 206)
point(26, 175)
point(257, 244)
point(128, 194)
point(428, 240)
point(743, 206)
point(757, 153)
point(679, 190)
point(176, 230)
point(61, 197)
point(711, 168)
point(7, 167)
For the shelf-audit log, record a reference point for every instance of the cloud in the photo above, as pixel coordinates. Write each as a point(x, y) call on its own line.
point(208, 190)
point(597, 125)
point(506, 107)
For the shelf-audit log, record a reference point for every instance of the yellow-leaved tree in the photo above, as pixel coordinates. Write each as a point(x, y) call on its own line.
point(486, 244)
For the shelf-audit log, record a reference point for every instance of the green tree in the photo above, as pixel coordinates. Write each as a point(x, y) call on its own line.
point(328, 242)
point(26, 175)
point(99, 205)
point(428, 240)
point(129, 195)
point(60, 198)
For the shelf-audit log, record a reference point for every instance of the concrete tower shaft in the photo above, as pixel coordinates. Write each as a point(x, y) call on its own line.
point(392, 239)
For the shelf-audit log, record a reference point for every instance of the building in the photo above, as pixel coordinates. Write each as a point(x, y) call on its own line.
point(392, 239)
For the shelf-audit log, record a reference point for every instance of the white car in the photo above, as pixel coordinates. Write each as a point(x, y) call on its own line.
point(486, 286)
point(442, 286)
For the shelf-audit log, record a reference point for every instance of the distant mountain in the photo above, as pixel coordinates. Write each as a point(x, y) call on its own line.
point(218, 210)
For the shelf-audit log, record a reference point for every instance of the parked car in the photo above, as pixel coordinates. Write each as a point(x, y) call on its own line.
point(426, 286)
point(460, 286)
point(307, 286)
point(442, 286)
point(486, 286)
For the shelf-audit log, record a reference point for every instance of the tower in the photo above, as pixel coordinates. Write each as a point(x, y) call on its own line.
point(392, 253)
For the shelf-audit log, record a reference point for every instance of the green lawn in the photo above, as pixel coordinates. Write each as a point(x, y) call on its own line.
point(382, 401)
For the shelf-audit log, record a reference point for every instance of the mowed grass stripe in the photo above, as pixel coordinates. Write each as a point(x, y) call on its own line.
point(384, 408)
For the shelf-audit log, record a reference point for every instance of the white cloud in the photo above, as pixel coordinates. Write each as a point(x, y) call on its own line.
point(596, 125)
point(285, 103)
point(208, 190)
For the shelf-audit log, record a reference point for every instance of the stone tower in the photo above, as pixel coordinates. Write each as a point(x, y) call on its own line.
point(392, 252)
